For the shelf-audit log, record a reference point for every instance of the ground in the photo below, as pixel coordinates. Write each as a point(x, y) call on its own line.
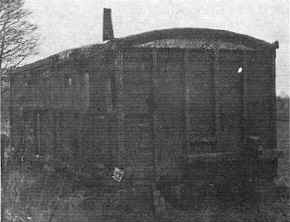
point(51, 194)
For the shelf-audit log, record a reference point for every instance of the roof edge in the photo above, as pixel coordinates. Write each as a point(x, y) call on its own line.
point(192, 33)
point(60, 57)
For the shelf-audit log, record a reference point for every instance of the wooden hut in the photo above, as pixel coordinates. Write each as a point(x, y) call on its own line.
point(158, 104)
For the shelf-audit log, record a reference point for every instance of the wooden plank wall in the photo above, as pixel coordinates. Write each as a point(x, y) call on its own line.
point(55, 87)
point(169, 119)
point(216, 107)
point(200, 102)
point(261, 95)
point(53, 98)
point(150, 107)
point(229, 84)
point(135, 130)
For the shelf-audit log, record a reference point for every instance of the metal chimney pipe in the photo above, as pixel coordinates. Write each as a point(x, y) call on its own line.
point(108, 33)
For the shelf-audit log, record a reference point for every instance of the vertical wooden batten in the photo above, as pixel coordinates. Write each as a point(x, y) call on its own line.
point(55, 130)
point(119, 72)
point(273, 99)
point(244, 98)
point(156, 153)
point(186, 103)
point(274, 107)
point(217, 125)
point(211, 56)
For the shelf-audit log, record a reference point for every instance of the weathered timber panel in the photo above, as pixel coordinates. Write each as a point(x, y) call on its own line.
point(23, 90)
point(57, 81)
point(28, 132)
point(229, 83)
point(169, 110)
point(137, 84)
point(135, 74)
point(200, 112)
point(60, 87)
point(46, 133)
point(260, 96)
point(98, 76)
point(99, 139)
point(138, 145)
point(72, 88)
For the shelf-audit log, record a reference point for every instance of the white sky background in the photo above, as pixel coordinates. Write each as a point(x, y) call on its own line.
point(65, 24)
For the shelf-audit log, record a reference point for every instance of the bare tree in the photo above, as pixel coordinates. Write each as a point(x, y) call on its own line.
point(18, 38)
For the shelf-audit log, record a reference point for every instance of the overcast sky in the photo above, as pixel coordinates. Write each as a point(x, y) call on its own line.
point(65, 24)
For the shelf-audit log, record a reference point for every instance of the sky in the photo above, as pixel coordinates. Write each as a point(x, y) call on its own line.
point(65, 24)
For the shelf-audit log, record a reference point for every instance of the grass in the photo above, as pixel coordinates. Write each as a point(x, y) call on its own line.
point(48, 195)
point(48, 198)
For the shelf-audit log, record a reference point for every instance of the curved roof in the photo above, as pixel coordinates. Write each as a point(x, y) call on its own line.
point(168, 38)
point(212, 35)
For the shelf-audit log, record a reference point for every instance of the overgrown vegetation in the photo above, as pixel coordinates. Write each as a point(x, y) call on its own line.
point(44, 189)
point(41, 188)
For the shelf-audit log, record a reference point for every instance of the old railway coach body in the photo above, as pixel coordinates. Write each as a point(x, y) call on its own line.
point(161, 103)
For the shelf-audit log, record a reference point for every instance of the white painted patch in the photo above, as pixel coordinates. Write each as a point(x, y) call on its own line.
point(240, 70)
point(118, 174)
